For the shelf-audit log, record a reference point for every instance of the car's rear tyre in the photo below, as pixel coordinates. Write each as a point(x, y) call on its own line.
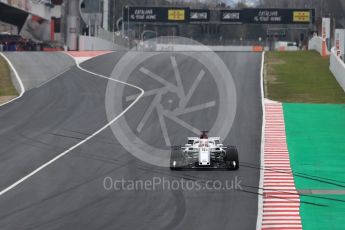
point(231, 158)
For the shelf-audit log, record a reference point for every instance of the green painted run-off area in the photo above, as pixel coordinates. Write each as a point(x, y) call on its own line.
point(316, 142)
point(315, 132)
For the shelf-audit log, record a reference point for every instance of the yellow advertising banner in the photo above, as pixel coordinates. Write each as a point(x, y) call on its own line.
point(176, 15)
point(301, 16)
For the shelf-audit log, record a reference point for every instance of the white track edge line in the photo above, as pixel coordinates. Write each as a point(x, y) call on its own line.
point(22, 88)
point(262, 163)
point(2, 192)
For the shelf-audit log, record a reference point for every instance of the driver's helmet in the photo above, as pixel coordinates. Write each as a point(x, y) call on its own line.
point(204, 135)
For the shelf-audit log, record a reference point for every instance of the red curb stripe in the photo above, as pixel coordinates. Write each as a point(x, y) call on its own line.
point(281, 215)
point(278, 182)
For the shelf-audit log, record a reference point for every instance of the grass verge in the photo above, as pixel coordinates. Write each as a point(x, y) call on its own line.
point(7, 90)
point(302, 77)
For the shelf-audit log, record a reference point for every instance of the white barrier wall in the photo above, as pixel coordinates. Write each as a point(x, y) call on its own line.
point(87, 43)
point(315, 44)
point(337, 67)
point(187, 48)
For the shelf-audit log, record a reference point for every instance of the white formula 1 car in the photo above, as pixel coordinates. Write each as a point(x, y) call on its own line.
point(204, 152)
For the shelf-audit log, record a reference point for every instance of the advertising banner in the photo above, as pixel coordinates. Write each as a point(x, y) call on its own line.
point(199, 15)
point(156, 14)
point(278, 16)
point(231, 16)
point(302, 16)
point(244, 16)
point(268, 16)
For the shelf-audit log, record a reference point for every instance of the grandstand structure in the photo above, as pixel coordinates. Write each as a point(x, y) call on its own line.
point(59, 22)
point(33, 19)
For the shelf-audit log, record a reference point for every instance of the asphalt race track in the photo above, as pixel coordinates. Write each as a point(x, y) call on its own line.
point(70, 193)
point(36, 68)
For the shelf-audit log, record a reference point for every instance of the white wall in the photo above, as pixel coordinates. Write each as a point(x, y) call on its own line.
point(87, 43)
point(315, 44)
point(337, 67)
point(178, 47)
point(284, 46)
